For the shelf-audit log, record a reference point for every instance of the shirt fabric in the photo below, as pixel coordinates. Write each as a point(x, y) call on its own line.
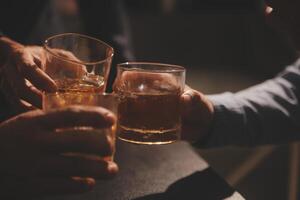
point(267, 113)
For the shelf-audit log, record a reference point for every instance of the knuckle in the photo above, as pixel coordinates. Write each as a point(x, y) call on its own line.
point(194, 95)
point(17, 53)
point(197, 96)
point(33, 67)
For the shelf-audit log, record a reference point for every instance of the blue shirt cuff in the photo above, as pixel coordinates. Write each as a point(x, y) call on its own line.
point(227, 122)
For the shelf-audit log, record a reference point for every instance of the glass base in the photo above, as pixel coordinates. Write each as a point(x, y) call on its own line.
point(149, 137)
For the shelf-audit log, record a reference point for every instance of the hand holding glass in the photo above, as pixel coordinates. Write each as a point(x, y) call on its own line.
point(149, 95)
point(77, 63)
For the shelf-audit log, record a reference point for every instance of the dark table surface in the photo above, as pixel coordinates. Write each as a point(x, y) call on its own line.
point(172, 171)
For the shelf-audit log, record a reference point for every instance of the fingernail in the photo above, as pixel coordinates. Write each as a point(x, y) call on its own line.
point(110, 117)
point(112, 168)
point(187, 97)
point(89, 183)
point(86, 184)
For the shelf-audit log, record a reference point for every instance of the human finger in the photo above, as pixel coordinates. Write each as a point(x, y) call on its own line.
point(197, 114)
point(87, 116)
point(79, 141)
point(190, 103)
point(31, 71)
point(26, 91)
point(22, 88)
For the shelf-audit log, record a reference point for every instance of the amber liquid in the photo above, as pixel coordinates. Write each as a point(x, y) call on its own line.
point(74, 92)
point(149, 118)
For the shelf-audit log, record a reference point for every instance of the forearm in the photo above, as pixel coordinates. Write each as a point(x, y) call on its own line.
point(268, 113)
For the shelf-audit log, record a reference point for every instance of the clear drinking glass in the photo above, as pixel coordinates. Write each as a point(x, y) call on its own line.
point(149, 97)
point(77, 63)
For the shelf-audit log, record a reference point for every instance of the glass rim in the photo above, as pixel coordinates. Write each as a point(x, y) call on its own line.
point(106, 94)
point(174, 68)
point(48, 49)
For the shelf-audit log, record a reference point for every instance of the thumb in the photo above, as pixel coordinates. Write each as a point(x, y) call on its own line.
point(190, 103)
